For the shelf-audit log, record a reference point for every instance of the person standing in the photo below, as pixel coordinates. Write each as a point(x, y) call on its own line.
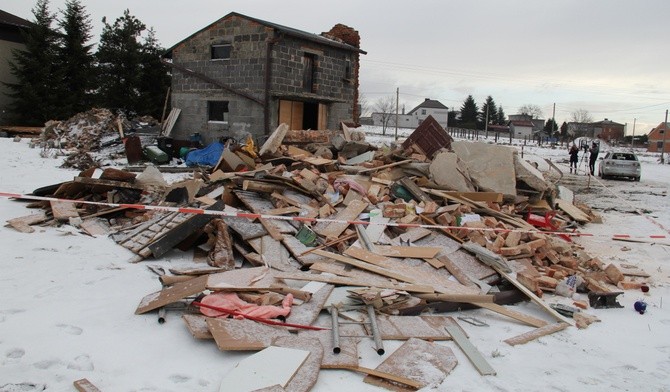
point(574, 157)
point(593, 156)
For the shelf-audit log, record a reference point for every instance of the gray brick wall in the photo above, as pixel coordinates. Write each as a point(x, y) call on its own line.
point(245, 71)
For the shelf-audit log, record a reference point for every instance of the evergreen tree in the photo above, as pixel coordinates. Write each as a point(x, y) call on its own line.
point(155, 77)
point(35, 99)
point(469, 113)
point(119, 59)
point(564, 131)
point(501, 118)
point(75, 59)
point(492, 110)
point(550, 127)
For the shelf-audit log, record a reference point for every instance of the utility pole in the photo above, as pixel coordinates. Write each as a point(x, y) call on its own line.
point(486, 123)
point(665, 132)
point(397, 96)
point(632, 140)
point(553, 120)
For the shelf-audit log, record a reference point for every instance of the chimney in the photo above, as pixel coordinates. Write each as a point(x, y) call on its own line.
point(427, 99)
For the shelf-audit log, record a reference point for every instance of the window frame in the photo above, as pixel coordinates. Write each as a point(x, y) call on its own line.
point(212, 48)
point(225, 112)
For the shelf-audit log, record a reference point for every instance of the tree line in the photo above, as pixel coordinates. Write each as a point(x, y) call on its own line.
point(59, 74)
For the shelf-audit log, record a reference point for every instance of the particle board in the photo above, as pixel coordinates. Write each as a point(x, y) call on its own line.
point(23, 223)
point(307, 312)
point(574, 212)
point(242, 277)
point(424, 362)
point(278, 364)
point(197, 325)
point(308, 373)
point(243, 335)
point(63, 210)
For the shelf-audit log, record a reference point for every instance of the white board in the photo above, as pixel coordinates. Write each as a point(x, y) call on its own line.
point(271, 366)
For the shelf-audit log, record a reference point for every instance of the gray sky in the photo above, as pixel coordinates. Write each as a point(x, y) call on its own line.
point(609, 57)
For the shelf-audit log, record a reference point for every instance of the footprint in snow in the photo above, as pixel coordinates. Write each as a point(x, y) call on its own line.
point(71, 329)
point(48, 363)
point(15, 353)
point(178, 378)
point(23, 387)
point(665, 322)
point(82, 363)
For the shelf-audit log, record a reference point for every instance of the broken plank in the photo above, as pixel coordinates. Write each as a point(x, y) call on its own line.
point(524, 318)
point(307, 312)
point(275, 140)
point(574, 212)
point(536, 333)
point(366, 266)
point(172, 294)
point(383, 375)
point(197, 325)
point(413, 288)
point(308, 373)
point(417, 252)
point(23, 223)
point(473, 354)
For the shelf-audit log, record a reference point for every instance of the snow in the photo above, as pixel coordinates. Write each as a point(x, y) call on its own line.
point(68, 303)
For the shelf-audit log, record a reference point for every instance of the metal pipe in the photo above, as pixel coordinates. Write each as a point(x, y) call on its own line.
point(335, 330)
point(375, 330)
point(161, 315)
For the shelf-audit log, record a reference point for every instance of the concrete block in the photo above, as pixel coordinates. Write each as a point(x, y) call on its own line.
point(491, 167)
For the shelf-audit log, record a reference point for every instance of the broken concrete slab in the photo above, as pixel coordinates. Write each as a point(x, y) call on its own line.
point(491, 167)
point(527, 173)
point(450, 172)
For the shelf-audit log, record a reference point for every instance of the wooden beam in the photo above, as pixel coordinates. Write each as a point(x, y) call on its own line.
point(387, 376)
point(524, 318)
point(536, 333)
point(337, 280)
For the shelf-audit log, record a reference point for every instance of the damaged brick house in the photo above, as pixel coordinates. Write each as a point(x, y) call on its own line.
point(241, 75)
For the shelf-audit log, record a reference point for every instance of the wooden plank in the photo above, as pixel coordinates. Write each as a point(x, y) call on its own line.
point(418, 252)
point(172, 294)
point(96, 226)
point(553, 313)
point(274, 141)
point(307, 312)
point(23, 223)
point(243, 335)
point(406, 327)
point(246, 377)
point(365, 255)
point(536, 333)
point(383, 375)
point(63, 211)
point(470, 298)
point(455, 270)
point(366, 266)
point(476, 357)
point(84, 385)
point(524, 318)
point(170, 121)
point(334, 229)
point(413, 288)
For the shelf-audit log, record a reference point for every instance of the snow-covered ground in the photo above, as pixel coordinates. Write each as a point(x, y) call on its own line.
point(68, 302)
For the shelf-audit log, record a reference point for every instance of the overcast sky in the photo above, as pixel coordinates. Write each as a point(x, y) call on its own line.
point(609, 57)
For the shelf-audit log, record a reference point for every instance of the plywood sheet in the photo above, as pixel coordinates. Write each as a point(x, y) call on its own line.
point(574, 212)
point(197, 325)
point(63, 210)
point(406, 327)
point(269, 367)
point(242, 277)
point(308, 373)
point(243, 335)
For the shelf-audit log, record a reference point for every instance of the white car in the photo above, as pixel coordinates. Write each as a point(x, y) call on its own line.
point(620, 164)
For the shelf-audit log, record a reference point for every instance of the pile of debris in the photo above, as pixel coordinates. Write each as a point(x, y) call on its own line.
point(382, 237)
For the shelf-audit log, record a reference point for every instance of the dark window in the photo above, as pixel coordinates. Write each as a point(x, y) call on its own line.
point(347, 70)
point(221, 51)
point(423, 111)
point(218, 111)
point(659, 145)
point(309, 66)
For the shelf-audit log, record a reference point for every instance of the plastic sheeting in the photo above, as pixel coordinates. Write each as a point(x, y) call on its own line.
point(208, 156)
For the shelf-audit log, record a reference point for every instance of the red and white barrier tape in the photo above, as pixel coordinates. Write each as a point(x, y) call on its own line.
point(252, 216)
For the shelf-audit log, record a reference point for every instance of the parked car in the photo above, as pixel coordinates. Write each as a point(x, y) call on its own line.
point(620, 164)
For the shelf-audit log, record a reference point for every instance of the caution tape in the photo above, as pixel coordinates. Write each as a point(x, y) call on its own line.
point(302, 219)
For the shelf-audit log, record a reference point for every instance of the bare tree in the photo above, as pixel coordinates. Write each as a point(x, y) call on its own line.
point(385, 109)
point(364, 104)
point(531, 110)
point(580, 123)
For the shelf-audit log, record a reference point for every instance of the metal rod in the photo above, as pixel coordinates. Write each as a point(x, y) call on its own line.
point(375, 330)
point(336, 329)
point(161, 315)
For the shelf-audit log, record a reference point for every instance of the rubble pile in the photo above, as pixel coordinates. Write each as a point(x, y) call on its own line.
point(392, 238)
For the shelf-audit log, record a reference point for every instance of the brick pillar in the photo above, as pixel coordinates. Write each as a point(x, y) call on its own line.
point(351, 37)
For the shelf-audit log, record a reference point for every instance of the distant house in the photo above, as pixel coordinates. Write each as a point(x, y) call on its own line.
point(10, 39)
point(241, 75)
point(521, 129)
point(429, 107)
point(657, 137)
point(607, 130)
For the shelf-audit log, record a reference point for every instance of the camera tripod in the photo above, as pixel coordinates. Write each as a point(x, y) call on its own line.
point(584, 161)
